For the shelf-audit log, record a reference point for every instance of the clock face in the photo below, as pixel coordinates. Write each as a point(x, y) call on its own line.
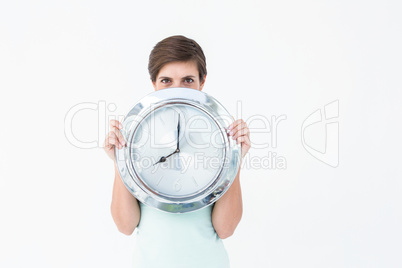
point(177, 150)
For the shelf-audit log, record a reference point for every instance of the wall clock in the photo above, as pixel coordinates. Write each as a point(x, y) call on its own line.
point(179, 157)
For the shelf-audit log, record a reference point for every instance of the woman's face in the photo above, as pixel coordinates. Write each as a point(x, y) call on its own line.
point(179, 74)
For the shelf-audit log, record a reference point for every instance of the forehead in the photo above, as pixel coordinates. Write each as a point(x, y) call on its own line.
point(179, 69)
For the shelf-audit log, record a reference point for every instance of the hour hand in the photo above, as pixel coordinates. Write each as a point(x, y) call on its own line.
point(163, 159)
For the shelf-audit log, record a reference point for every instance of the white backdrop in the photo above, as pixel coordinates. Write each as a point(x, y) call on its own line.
point(275, 59)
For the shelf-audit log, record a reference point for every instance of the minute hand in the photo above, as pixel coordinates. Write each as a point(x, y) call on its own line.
point(178, 134)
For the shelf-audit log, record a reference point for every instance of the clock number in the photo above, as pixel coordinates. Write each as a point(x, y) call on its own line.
point(195, 182)
point(159, 180)
point(177, 185)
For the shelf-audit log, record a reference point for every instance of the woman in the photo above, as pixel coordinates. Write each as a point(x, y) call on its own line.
point(178, 240)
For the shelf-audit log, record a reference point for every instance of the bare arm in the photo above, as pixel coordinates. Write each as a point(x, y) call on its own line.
point(124, 207)
point(228, 210)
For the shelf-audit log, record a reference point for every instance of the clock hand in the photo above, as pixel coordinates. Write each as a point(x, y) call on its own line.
point(178, 133)
point(176, 151)
point(163, 158)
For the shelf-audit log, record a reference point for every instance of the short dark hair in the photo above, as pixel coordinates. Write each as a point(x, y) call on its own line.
point(176, 48)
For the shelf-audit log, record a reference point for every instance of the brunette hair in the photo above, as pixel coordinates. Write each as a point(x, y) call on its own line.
point(176, 48)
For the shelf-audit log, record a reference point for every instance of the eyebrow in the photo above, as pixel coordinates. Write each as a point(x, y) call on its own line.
point(167, 77)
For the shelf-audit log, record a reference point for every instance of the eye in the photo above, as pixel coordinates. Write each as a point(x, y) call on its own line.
point(188, 80)
point(165, 81)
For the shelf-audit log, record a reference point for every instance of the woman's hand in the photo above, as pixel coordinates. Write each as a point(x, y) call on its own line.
point(241, 134)
point(114, 139)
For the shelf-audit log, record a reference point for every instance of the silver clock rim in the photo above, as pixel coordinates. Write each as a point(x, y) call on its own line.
point(187, 203)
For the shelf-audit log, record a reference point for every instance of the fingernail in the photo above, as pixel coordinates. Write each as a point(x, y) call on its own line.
point(120, 125)
point(231, 133)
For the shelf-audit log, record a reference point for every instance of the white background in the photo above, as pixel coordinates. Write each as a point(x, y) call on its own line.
point(276, 57)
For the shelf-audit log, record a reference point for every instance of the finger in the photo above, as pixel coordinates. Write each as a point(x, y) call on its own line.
point(241, 130)
point(115, 123)
point(111, 141)
point(244, 141)
point(240, 127)
point(247, 141)
point(234, 124)
point(119, 136)
point(245, 145)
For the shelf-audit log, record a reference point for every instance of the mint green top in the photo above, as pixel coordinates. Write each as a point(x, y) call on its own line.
point(178, 240)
